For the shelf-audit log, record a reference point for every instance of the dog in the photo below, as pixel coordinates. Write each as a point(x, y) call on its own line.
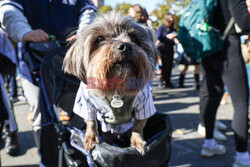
point(113, 47)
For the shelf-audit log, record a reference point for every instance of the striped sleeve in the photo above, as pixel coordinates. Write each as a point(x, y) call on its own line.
point(83, 107)
point(144, 105)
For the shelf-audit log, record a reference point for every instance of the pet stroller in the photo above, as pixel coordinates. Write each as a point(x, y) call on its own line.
point(59, 90)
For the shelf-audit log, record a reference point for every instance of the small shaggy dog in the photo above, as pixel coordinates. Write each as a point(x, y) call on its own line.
point(114, 57)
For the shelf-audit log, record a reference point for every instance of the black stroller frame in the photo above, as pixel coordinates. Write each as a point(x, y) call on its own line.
point(62, 131)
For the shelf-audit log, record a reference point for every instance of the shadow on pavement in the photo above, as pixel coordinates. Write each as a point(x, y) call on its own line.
point(163, 94)
point(166, 107)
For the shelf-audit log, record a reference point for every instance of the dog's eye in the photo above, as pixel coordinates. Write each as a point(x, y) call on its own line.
point(99, 39)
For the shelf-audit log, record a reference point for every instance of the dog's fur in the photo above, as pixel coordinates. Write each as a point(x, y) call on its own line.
point(97, 52)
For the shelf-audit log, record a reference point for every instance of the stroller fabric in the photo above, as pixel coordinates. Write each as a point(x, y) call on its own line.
point(157, 133)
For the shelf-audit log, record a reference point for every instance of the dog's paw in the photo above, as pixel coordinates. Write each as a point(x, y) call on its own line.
point(138, 143)
point(90, 141)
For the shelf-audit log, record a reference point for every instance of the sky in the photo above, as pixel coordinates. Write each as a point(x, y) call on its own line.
point(148, 4)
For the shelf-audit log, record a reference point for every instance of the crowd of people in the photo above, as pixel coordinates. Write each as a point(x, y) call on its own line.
point(34, 21)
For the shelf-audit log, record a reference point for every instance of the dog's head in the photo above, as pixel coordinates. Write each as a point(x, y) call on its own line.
point(113, 48)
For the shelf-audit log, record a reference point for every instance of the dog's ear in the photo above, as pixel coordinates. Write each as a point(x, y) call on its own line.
point(73, 61)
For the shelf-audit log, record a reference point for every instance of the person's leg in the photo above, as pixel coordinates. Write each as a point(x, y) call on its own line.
point(3, 109)
point(210, 95)
point(13, 86)
point(235, 77)
point(197, 69)
point(197, 77)
point(182, 76)
point(169, 66)
point(32, 93)
point(164, 62)
point(12, 146)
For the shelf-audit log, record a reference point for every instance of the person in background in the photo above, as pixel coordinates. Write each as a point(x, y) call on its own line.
point(140, 15)
point(245, 49)
point(7, 119)
point(8, 122)
point(227, 67)
point(166, 36)
point(186, 61)
point(34, 21)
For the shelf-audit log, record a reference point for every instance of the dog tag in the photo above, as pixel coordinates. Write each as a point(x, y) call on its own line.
point(116, 101)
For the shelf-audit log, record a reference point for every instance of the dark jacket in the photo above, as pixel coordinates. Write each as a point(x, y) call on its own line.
point(168, 43)
point(56, 17)
point(232, 8)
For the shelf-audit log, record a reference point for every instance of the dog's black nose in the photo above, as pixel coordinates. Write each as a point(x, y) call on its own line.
point(124, 47)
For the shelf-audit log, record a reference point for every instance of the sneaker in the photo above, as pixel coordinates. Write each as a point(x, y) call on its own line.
point(217, 134)
point(22, 98)
point(12, 146)
point(238, 163)
point(219, 125)
point(209, 152)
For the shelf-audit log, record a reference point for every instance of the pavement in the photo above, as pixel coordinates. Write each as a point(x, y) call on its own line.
point(182, 105)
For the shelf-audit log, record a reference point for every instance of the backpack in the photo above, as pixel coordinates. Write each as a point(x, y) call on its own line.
point(196, 32)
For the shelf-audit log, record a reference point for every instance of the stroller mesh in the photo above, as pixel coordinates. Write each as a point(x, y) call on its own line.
point(58, 87)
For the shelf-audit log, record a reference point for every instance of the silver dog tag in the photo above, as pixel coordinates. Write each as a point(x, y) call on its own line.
point(116, 101)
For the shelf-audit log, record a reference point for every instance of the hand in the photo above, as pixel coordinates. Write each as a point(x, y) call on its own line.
point(36, 36)
point(71, 39)
point(171, 36)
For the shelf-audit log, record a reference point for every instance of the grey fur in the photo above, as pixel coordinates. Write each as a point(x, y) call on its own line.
point(83, 57)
